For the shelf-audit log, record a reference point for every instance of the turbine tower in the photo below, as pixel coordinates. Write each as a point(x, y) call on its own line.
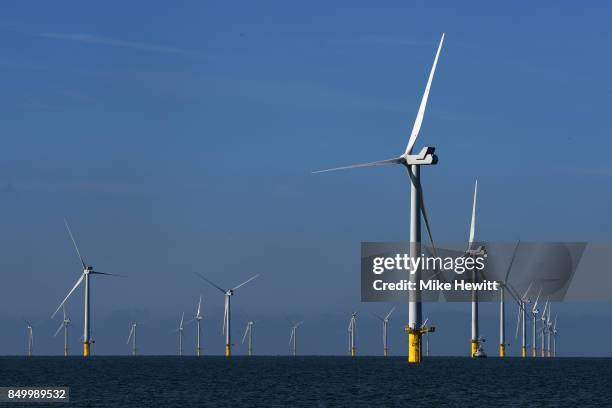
point(548, 333)
point(413, 162)
point(249, 331)
point(554, 334)
point(352, 330)
point(30, 330)
point(502, 307)
point(385, 322)
point(476, 348)
point(132, 336)
point(64, 324)
point(198, 319)
point(88, 271)
point(227, 313)
point(293, 337)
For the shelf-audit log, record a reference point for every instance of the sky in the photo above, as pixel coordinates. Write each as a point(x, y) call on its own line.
point(180, 139)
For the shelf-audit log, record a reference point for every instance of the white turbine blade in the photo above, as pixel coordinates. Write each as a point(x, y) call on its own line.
point(544, 311)
point(245, 333)
point(64, 310)
point(182, 319)
point(130, 336)
point(425, 322)
point(291, 337)
point(511, 262)
point(421, 113)
point(210, 282)
point(535, 304)
point(104, 273)
point(518, 321)
point(59, 329)
point(555, 324)
point(75, 244)
point(199, 306)
point(473, 222)
point(527, 291)
point(390, 313)
point(397, 160)
point(224, 318)
point(246, 281)
point(68, 295)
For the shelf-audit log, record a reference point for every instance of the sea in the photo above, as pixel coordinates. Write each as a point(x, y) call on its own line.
point(185, 382)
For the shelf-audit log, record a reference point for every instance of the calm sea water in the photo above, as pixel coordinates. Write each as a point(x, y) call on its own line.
point(315, 381)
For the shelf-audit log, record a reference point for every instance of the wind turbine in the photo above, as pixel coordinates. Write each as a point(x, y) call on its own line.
point(534, 314)
point(132, 336)
point(502, 306)
point(352, 330)
point(543, 332)
point(198, 319)
point(293, 337)
point(548, 333)
point(64, 324)
point(30, 330)
point(413, 162)
point(426, 330)
point(476, 340)
point(523, 301)
point(249, 331)
point(227, 313)
point(554, 333)
point(385, 322)
point(179, 330)
point(85, 276)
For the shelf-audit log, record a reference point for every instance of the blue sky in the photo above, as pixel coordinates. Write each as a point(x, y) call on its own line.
point(179, 139)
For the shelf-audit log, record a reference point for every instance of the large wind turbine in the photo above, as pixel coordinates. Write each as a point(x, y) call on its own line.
point(413, 162)
point(30, 331)
point(293, 337)
point(198, 319)
point(85, 276)
point(352, 331)
point(64, 324)
point(132, 336)
point(502, 306)
point(476, 340)
point(385, 322)
point(227, 313)
point(249, 331)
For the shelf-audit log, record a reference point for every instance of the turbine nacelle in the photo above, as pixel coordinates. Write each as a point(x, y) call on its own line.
point(426, 156)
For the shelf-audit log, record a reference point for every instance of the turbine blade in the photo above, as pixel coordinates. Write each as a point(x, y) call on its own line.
point(64, 310)
point(68, 295)
point(104, 273)
point(535, 305)
point(246, 281)
point(397, 160)
point(518, 321)
point(59, 329)
point(209, 282)
point(425, 322)
point(76, 247)
point(473, 222)
point(421, 113)
point(246, 330)
point(130, 336)
point(527, 291)
point(390, 313)
point(199, 306)
point(511, 261)
point(224, 318)
point(291, 338)
point(182, 319)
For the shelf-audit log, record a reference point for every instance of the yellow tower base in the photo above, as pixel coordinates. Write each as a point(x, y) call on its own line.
point(502, 350)
point(543, 353)
point(386, 352)
point(414, 346)
point(534, 352)
point(86, 349)
point(474, 347)
point(353, 351)
point(523, 351)
point(228, 350)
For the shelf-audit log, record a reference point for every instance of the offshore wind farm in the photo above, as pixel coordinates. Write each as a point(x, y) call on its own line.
point(202, 154)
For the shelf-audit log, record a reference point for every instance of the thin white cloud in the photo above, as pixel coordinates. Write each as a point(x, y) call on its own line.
point(93, 39)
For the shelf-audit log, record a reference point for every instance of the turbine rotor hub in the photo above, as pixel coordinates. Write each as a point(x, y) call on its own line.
point(426, 156)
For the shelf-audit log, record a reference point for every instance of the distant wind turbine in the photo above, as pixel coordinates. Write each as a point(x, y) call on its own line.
point(352, 330)
point(543, 330)
point(293, 337)
point(180, 330)
point(132, 336)
point(502, 306)
point(64, 324)
point(534, 315)
point(198, 319)
point(249, 331)
point(413, 163)
point(385, 322)
point(85, 276)
point(523, 301)
point(30, 331)
point(227, 313)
